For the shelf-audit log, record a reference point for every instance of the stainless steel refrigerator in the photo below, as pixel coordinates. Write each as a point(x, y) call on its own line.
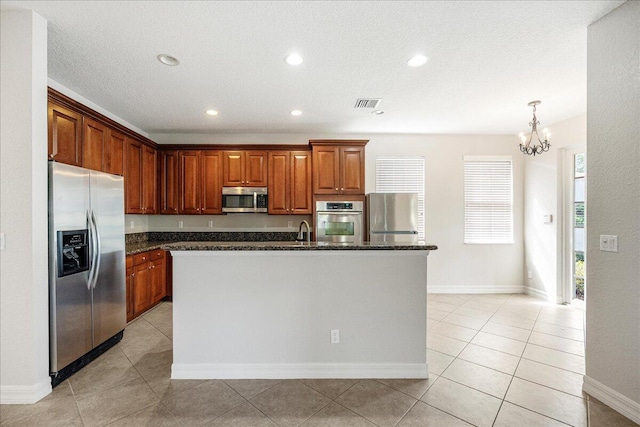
point(392, 217)
point(87, 306)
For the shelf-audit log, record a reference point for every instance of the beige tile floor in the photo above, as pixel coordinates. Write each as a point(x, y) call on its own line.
point(495, 360)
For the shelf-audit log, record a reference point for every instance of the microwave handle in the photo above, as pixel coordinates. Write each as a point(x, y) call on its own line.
point(255, 200)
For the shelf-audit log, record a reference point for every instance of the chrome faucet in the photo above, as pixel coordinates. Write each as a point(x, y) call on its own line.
point(300, 237)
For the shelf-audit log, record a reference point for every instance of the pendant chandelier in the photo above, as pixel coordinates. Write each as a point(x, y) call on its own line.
point(542, 146)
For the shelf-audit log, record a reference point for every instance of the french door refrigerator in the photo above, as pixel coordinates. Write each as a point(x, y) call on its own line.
point(392, 217)
point(87, 306)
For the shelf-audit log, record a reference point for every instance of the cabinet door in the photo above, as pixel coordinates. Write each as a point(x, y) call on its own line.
point(255, 169)
point(141, 288)
point(133, 177)
point(129, 297)
point(114, 152)
point(352, 170)
point(326, 170)
point(65, 135)
point(169, 182)
point(278, 182)
point(93, 145)
point(189, 189)
point(233, 169)
point(158, 289)
point(300, 200)
point(149, 182)
point(211, 182)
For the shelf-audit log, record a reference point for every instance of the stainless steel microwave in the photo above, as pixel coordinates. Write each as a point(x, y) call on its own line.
point(244, 199)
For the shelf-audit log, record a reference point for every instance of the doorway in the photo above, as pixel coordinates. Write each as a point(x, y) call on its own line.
point(576, 207)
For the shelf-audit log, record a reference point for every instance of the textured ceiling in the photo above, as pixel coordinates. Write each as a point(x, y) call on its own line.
point(487, 60)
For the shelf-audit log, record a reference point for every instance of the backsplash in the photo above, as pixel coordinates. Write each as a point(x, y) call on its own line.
point(214, 223)
point(213, 236)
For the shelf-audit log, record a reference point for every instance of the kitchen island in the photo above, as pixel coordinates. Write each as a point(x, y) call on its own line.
point(272, 310)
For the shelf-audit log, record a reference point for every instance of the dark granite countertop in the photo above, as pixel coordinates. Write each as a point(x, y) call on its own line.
point(139, 247)
point(292, 246)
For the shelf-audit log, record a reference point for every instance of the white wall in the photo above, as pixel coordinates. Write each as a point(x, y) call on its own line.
point(543, 194)
point(454, 267)
point(613, 186)
point(24, 325)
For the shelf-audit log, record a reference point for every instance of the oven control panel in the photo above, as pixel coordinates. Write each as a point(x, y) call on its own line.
point(355, 206)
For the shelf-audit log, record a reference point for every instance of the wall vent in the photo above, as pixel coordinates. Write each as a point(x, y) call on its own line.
point(367, 103)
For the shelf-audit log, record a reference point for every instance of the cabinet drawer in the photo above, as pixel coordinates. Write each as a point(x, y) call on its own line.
point(129, 261)
point(141, 258)
point(157, 254)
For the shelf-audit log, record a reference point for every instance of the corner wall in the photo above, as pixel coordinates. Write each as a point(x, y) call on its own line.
point(24, 295)
point(613, 186)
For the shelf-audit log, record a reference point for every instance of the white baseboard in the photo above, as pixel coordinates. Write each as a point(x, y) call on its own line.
point(537, 293)
point(612, 398)
point(298, 370)
point(14, 394)
point(475, 289)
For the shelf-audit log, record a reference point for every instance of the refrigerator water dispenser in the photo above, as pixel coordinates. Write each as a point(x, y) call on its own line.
point(73, 252)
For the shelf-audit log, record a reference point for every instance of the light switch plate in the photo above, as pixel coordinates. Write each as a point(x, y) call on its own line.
point(609, 242)
point(2, 242)
point(548, 218)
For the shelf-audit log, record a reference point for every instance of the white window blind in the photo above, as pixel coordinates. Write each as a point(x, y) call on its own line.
point(402, 175)
point(488, 199)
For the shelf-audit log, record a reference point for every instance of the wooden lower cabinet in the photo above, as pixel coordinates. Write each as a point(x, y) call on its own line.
point(146, 281)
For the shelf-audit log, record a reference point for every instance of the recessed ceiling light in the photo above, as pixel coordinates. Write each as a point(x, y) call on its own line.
point(295, 112)
point(377, 112)
point(168, 60)
point(417, 61)
point(212, 112)
point(293, 59)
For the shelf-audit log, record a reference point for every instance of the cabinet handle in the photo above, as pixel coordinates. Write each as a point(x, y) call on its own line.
point(342, 189)
point(336, 188)
point(133, 274)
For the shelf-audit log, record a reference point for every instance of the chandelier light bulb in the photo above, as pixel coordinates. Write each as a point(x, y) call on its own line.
point(525, 144)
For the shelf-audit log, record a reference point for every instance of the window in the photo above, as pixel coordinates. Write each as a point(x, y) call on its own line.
point(402, 175)
point(488, 199)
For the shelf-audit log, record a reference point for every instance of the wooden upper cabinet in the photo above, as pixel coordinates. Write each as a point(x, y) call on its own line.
point(64, 135)
point(338, 167)
point(189, 182)
point(351, 170)
point(200, 182)
point(141, 192)
point(149, 181)
point(300, 201)
point(278, 182)
point(244, 168)
point(133, 177)
point(256, 169)
point(93, 146)
point(326, 170)
point(114, 153)
point(211, 199)
point(233, 169)
point(289, 182)
point(168, 182)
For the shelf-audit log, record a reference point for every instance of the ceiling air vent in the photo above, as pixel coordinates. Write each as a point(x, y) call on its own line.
point(367, 103)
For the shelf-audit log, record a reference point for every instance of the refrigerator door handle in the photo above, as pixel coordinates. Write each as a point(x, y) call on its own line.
point(92, 250)
point(98, 249)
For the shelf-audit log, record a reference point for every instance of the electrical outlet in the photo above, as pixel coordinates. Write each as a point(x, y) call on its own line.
point(290, 224)
point(180, 224)
point(210, 224)
point(530, 274)
point(335, 336)
point(2, 242)
point(133, 224)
